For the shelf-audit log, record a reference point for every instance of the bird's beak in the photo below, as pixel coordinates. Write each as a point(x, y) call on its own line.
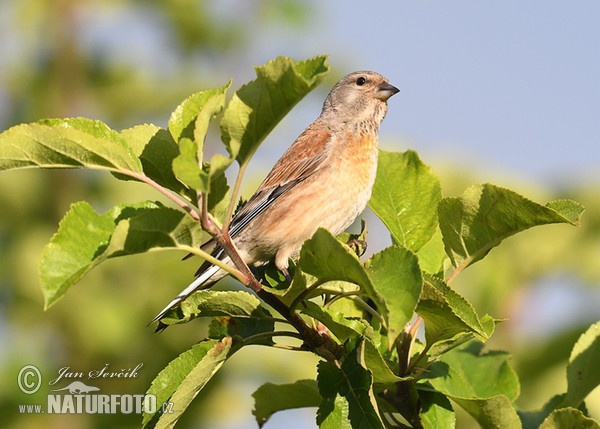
point(385, 91)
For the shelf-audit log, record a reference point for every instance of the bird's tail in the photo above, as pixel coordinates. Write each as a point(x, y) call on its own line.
point(204, 277)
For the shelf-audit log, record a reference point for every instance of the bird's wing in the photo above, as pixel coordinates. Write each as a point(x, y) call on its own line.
point(306, 156)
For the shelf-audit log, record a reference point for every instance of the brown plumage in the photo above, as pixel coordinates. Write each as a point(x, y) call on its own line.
point(324, 180)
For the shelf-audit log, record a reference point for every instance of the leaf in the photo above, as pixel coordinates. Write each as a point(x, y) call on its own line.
point(329, 260)
point(66, 143)
point(481, 383)
point(209, 303)
point(189, 125)
point(184, 377)
point(486, 214)
point(396, 277)
point(336, 415)
point(270, 398)
point(191, 118)
point(436, 411)
point(156, 149)
point(352, 382)
point(447, 314)
point(383, 376)
point(85, 239)
point(259, 105)
point(337, 324)
point(466, 372)
point(405, 197)
point(569, 418)
point(494, 412)
point(583, 371)
point(187, 168)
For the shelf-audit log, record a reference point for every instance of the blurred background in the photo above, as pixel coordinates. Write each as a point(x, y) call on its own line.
point(502, 92)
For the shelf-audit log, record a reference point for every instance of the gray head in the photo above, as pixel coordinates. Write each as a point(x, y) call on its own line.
point(359, 98)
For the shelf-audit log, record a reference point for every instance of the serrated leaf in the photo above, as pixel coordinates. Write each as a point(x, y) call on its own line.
point(271, 398)
point(187, 168)
point(156, 149)
point(447, 314)
point(467, 372)
point(494, 412)
point(85, 239)
point(383, 376)
point(481, 383)
point(569, 418)
point(259, 105)
point(209, 303)
point(405, 197)
point(583, 371)
point(486, 214)
point(243, 327)
point(66, 143)
point(191, 118)
point(184, 377)
point(341, 327)
point(396, 277)
point(352, 382)
point(325, 258)
point(436, 411)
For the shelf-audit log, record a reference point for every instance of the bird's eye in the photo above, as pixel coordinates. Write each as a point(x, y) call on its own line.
point(361, 81)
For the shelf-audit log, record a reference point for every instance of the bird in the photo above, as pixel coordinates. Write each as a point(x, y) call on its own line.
point(324, 179)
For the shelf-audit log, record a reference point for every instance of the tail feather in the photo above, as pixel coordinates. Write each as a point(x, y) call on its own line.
point(193, 287)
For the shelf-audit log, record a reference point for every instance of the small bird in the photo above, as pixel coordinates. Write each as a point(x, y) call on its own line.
point(324, 179)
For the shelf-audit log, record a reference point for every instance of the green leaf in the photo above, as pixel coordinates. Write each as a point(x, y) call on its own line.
point(405, 197)
point(569, 418)
point(433, 255)
point(324, 257)
point(486, 214)
point(494, 412)
point(336, 414)
point(85, 239)
point(259, 105)
point(189, 125)
point(447, 314)
point(436, 411)
point(352, 382)
point(270, 398)
point(583, 371)
point(209, 303)
point(156, 149)
point(533, 419)
point(191, 118)
point(383, 376)
point(184, 377)
point(66, 143)
point(396, 277)
point(481, 383)
point(466, 372)
point(187, 168)
point(337, 324)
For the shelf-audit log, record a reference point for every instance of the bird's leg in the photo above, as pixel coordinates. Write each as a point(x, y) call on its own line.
point(358, 246)
point(286, 274)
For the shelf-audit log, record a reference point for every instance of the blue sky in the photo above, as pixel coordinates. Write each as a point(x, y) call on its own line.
point(512, 86)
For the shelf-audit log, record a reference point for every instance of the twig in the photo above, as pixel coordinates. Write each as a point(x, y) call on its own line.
point(180, 202)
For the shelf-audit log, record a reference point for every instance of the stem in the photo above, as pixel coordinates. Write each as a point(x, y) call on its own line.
point(257, 337)
point(208, 257)
point(180, 202)
point(305, 292)
point(361, 303)
point(234, 194)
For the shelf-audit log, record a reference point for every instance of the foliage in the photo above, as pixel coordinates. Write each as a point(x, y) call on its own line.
point(358, 316)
